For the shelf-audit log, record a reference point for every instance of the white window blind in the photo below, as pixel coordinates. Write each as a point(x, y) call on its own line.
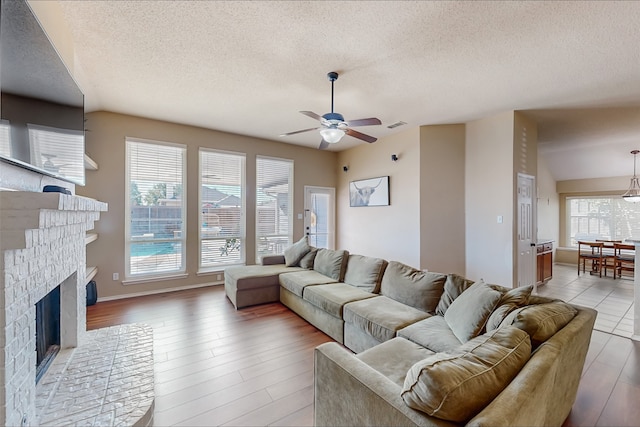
point(274, 202)
point(155, 213)
point(606, 218)
point(222, 209)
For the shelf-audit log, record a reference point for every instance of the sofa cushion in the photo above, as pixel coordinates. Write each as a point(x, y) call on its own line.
point(331, 263)
point(364, 272)
point(297, 281)
point(453, 287)
point(308, 259)
point(432, 333)
point(512, 299)
point(394, 358)
point(541, 321)
point(331, 298)
point(456, 386)
point(468, 314)
point(294, 253)
point(381, 317)
point(419, 289)
point(255, 276)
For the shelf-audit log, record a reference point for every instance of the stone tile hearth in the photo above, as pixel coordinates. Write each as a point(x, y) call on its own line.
point(106, 381)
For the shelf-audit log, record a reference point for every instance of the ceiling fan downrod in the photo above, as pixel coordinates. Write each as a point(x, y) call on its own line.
point(333, 76)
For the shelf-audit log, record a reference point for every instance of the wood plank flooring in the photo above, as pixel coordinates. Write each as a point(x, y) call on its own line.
point(218, 366)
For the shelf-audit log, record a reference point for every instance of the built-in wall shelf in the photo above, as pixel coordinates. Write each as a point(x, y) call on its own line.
point(91, 237)
point(91, 273)
point(89, 163)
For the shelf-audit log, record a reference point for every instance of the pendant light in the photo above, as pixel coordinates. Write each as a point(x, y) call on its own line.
point(633, 193)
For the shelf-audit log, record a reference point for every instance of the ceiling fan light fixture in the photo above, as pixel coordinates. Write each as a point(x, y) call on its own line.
point(332, 135)
point(633, 193)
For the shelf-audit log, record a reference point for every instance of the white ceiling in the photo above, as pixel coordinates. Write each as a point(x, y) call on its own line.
point(248, 67)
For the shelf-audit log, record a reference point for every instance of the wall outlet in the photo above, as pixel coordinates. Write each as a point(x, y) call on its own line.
point(116, 276)
point(219, 277)
point(500, 219)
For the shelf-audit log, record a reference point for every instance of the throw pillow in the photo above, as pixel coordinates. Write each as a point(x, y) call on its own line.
point(468, 314)
point(294, 253)
point(541, 321)
point(512, 299)
point(456, 386)
point(364, 272)
point(453, 287)
point(307, 260)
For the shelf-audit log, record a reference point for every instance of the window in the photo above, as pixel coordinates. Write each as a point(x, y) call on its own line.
point(274, 202)
point(155, 211)
point(222, 215)
point(606, 217)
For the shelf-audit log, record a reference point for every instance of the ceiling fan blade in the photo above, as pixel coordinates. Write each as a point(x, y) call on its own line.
point(297, 131)
point(323, 145)
point(361, 136)
point(364, 122)
point(312, 115)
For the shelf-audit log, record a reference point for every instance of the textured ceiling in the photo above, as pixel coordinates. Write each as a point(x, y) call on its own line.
point(249, 67)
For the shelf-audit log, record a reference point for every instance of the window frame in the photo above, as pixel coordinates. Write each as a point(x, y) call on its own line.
point(165, 274)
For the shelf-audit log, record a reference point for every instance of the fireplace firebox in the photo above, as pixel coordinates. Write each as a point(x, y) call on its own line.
point(47, 331)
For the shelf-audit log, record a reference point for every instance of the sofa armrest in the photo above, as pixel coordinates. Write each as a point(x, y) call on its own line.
point(348, 392)
point(272, 259)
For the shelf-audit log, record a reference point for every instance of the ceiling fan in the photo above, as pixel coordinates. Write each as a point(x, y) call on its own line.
point(334, 126)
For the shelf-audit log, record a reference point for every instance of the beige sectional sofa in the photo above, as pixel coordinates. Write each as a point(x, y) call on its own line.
point(424, 348)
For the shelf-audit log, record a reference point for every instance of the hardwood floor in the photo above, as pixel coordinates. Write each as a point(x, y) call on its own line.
point(218, 366)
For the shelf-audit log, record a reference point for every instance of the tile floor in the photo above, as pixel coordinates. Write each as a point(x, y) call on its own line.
point(613, 299)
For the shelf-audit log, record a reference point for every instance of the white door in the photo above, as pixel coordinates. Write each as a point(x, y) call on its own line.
point(319, 216)
point(526, 230)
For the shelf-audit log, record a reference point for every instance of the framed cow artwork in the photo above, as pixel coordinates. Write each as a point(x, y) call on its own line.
point(369, 192)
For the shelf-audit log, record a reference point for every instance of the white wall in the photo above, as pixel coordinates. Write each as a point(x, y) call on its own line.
point(489, 193)
point(548, 204)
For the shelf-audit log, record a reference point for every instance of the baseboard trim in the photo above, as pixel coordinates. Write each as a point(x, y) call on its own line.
point(158, 291)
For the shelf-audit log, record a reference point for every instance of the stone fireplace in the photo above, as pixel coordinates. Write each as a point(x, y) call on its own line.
point(42, 246)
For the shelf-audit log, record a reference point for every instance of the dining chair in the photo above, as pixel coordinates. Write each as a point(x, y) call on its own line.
point(591, 251)
point(624, 259)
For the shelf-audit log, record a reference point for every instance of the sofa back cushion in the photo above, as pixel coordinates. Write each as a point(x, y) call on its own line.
point(331, 263)
point(456, 386)
point(453, 287)
point(416, 288)
point(541, 321)
point(364, 272)
point(468, 314)
point(294, 253)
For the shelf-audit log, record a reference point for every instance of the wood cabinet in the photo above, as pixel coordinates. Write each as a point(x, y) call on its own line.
point(544, 258)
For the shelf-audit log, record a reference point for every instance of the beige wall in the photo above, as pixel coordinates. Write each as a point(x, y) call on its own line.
point(548, 205)
point(489, 193)
point(442, 204)
point(105, 143)
point(389, 232)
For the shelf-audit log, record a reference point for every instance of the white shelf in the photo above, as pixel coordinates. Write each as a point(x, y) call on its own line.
point(90, 274)
point(91, 237)
point(90, 164)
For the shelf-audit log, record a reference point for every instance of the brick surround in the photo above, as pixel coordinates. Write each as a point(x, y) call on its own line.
point(42, 245)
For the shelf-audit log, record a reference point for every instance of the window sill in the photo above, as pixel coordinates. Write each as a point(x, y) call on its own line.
point(150, 279)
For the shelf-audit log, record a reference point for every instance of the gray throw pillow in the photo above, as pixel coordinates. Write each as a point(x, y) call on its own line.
point(456, 386)
point(294, 253)
point(416, 288)
point(308, 259)
point(468, 314)
point(512, 299)
point(331, 263)
point(453, 287)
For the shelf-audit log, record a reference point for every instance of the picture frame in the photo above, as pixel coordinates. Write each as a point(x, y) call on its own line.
point(369, 192)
